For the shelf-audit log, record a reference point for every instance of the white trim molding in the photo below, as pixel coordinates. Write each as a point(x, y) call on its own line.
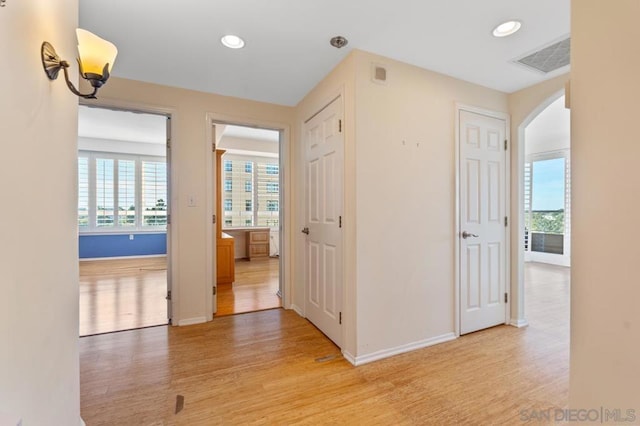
point(519, 323)
point(386, 353)
point(297, 310)
point(192, 321)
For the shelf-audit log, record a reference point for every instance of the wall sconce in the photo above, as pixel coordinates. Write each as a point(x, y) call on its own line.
point(95, 59)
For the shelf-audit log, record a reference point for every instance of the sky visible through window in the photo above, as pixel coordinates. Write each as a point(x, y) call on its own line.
point(548, 185)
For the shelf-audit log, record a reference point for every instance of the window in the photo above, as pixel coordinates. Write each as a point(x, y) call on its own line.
point(104, 192)
point(127, 193)
point(228, 185)
point(228, 166)
point(258, 204)
point(154, 193)
point(228, 205)
point(118, 192)
point(83, 192)
point(547, 205)
point(272, 187)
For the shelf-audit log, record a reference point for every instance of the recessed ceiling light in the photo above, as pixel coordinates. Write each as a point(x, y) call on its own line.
point(232, 41)
point(507, 28)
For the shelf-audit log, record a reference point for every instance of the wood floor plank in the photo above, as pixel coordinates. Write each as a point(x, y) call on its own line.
point(123, 294)
point(263, 368)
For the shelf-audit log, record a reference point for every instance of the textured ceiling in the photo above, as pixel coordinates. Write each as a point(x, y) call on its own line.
point(287, 41)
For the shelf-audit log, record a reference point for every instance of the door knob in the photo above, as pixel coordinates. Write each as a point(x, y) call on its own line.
point(305, 230)
point(466, 235)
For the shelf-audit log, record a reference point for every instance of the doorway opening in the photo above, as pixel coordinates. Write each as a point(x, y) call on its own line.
point(546, 205)
point(123, 210)
point(249, 217)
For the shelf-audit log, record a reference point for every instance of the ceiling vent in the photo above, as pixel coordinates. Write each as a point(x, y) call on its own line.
point(549, 58)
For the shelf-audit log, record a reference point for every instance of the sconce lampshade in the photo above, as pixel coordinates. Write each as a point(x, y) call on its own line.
point(94, 53)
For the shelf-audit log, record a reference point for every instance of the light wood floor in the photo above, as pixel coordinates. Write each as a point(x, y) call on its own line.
point(255, 287)
point(123, 294)
point(273, 367)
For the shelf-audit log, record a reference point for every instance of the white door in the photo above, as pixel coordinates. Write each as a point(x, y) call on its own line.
point(323, 213)
point(482, 173)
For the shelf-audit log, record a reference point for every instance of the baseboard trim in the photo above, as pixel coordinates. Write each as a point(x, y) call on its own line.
point(82, 423)
point(386, 353)
point(84, 259)
point(192, 321)
point(297, 310)
point(519, 323)
point(349, 357)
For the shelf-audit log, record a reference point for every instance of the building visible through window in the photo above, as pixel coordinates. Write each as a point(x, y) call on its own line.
point(252, 186)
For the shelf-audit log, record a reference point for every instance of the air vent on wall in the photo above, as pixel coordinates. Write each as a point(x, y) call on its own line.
point(378, 73)
point(549, 58)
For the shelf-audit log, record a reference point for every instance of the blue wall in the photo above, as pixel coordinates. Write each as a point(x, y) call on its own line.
point(110, 245)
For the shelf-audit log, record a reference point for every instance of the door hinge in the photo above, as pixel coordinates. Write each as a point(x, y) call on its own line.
point(340, 221)
point(340, 318)
point(340, 126)
point(214, 218)
point(168, 219)
point(214, 290)
point(168, 143)
point(168, 295)
point(505, 144)
point(506, 221)
point(506, 298)
point(213, 146)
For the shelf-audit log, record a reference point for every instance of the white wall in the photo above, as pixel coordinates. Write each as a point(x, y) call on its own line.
point(405, 202)
point(605, 319)
point(550, 130)
point(122, 147)
point(39, 368)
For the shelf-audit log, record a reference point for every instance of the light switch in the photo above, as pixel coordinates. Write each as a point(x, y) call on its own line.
point(192, 201)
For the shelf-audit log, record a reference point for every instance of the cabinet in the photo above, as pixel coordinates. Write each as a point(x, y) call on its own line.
point(225, 244)
point(258, 243)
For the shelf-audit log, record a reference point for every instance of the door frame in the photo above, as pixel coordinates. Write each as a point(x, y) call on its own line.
point(284, 158)
point(519, 160)
point(172, 191)
point(457, 282)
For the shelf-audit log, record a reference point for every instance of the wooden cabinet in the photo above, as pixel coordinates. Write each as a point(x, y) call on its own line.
point(257, 243)
point(225, 244)
point(225, 265)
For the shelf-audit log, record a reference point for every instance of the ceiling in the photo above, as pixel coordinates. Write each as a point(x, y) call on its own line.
point(287, 48)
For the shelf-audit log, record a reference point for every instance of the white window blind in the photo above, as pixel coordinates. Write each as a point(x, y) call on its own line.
point(127, 193)
point(121, 192)
point(104, 192)
point(154, 193)
point(83, 192)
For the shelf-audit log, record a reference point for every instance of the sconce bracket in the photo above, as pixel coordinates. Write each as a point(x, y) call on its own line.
point(52, 65)
point(51, 61)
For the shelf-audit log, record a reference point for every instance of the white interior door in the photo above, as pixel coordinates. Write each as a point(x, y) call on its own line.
point(323, 213)
point(482, 173)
